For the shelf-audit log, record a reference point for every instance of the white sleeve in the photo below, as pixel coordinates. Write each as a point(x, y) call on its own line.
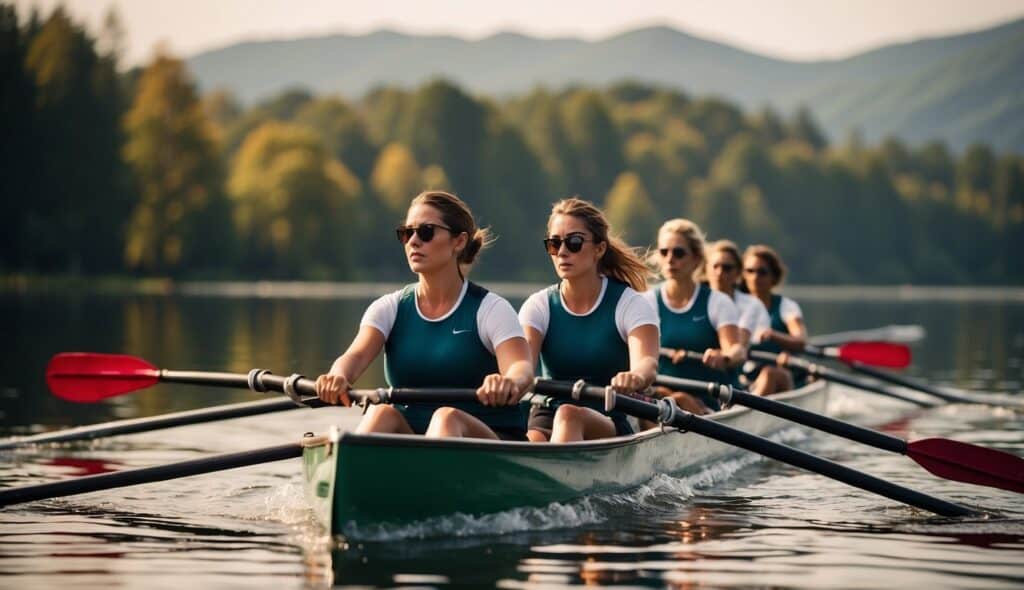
point(722, 311)
point(789, 309)
point(633, 311)
point(535, 313)
point(496, 322)
point(382, 313)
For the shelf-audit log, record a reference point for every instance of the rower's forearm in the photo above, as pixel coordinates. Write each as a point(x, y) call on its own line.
point(787, 342)
point(648, 370)
point(349, 366)
point(736, 355)
point(521, 373)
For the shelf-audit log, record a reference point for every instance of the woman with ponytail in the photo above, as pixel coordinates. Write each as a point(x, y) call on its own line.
point(442, 331)
point(694, 317)
point(592, 325)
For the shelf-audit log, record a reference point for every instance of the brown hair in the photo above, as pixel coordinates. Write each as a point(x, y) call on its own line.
point(456, 215)
point(620, 261)
point(730, 248)
point(769, 257)
point(694, 239)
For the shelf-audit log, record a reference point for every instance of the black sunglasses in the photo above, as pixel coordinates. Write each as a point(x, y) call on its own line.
point(724, 266)
point(573, 243)
point(759, 271)
point(424, 231)
point(677, 252)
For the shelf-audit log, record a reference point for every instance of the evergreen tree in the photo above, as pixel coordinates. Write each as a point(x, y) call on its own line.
point(630, 210)
point(595, 142)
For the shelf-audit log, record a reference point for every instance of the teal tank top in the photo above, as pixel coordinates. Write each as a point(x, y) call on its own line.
point(779, 325)
point(690, 330)
point(445, 353)
point(585, 347)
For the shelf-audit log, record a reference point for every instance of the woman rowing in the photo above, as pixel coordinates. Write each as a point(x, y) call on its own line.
point(723, 271)
point(442, 331)
point(763, 271)
point(593, 325)
point(693, 316)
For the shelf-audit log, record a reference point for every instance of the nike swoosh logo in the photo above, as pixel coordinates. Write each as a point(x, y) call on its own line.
point(459, 331)
point(699, 318)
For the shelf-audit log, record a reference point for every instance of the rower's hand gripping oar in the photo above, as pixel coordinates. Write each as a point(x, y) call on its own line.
point(666, 412)
point(946, 458)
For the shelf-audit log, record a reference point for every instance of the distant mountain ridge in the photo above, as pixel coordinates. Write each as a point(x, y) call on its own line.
point(961, 89)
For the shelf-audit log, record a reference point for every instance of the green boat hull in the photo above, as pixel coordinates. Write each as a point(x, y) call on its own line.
point(400, 478)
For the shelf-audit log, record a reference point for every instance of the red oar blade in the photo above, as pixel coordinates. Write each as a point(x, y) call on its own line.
point(90, 377)
point(878, 354)
point(969, 463)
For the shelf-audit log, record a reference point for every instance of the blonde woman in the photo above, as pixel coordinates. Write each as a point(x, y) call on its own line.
point(591, 325)
point(692, 315)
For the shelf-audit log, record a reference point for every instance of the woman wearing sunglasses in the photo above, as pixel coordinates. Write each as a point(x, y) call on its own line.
point(442, 331)
point(763, 271)
point(693, 316)
point(592, 325)
point(723, 271)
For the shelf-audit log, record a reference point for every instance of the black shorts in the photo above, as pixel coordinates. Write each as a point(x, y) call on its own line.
point(542, 419)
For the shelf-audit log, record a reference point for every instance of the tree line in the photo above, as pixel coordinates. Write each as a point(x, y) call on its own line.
point(139, 173)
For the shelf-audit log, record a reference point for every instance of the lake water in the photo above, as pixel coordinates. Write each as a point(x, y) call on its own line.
point(742, 523)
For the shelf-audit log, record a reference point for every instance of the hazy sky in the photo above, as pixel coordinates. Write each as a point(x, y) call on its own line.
point(795, 29)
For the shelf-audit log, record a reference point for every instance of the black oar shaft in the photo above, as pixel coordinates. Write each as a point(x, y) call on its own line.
point(105, 481)
point(780, 452)
point(792, 413)
point(837, 377)
point(910, 383)
point(154, 423)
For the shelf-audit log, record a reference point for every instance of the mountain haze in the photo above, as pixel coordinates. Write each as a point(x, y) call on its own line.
point(962, 89)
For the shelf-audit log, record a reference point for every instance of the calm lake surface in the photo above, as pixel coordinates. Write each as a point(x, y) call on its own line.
point(739, 524)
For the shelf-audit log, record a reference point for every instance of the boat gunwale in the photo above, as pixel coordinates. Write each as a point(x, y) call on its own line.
point(419, 441)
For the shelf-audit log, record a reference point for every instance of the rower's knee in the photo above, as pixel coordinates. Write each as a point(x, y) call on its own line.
point(569, 414)
point(380, 418)
point(444, 422)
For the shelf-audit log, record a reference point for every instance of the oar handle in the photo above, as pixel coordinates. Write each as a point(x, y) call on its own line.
point(666, 412)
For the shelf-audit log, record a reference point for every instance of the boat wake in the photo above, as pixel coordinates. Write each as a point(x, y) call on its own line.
point(661, 494)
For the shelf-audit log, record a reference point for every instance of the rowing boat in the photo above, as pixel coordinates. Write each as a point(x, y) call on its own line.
point(401, 478)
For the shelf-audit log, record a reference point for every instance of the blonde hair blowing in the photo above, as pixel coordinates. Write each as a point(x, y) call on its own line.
point(456, 215)
point(771, 258)
point(694, 239)
point(620, 261)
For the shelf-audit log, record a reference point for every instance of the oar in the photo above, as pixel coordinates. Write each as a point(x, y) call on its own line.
point(957, 396)
point(820, 372)
point(879, 354)
point(949, 459)
point(143, 475)
point(892, 333)
point(666, 412)
point(92, 377)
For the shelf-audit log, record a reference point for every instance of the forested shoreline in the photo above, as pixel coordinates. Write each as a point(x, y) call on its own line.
point(139, 174)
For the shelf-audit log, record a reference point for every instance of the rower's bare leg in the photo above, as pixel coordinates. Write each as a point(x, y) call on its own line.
point(454, 423)
point(383, 418)
point(772, 380)
point(536, 436)
point(575, 423)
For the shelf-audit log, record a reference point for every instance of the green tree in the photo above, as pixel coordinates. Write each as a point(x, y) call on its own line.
point(181, 220)
point(595, 142)
point(79, 201)
point(447, 127)
point(804, 128)
point(396, 177)
point(342, 131)
point(630, 210)
point(293, 204)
